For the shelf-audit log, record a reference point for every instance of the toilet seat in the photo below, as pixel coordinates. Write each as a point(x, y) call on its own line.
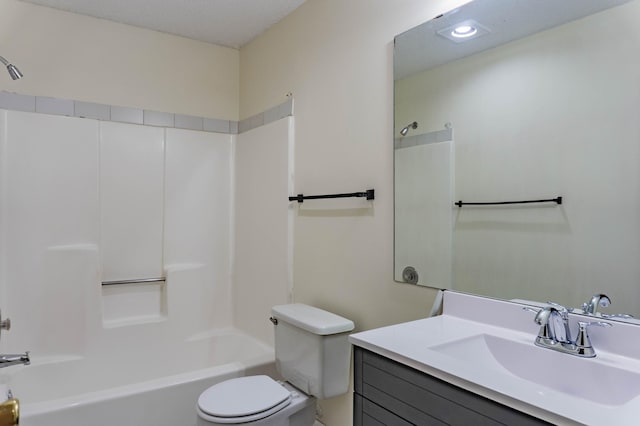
point(244, 399)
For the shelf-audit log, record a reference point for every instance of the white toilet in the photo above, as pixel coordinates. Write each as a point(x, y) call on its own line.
point(312, 354)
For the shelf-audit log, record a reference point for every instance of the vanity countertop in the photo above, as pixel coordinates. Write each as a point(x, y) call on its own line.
point(487, 346)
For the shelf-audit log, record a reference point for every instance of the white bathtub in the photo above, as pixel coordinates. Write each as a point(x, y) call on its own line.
point(159, 388)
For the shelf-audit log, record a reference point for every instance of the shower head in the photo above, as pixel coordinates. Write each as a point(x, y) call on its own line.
point(406, 128)
point(14, 72)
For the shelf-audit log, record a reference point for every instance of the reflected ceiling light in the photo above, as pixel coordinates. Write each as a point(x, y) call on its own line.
point(463, 31)
point(406, 128)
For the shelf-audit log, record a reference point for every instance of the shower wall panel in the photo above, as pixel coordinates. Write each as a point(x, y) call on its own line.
point(84, 201)
point(198, 225)
point(49, 230)
point(131, 201)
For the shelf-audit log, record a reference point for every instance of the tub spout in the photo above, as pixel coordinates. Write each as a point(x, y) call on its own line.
point(10, 412)
point(14, 359)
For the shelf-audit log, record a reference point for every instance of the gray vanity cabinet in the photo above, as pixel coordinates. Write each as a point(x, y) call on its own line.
point(392, 394)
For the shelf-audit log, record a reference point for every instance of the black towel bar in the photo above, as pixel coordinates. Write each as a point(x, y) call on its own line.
point(557, 200)
point(369, 194)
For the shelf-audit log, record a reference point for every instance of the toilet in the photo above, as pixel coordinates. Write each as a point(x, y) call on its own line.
point(312, 354)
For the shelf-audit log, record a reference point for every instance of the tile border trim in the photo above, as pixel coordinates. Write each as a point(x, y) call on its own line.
point(120, 114)
point(424, 139)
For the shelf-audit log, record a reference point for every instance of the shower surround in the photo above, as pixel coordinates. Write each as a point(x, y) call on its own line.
point(86, 201)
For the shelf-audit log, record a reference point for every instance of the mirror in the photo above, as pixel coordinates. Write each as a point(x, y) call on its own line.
point(541, 102)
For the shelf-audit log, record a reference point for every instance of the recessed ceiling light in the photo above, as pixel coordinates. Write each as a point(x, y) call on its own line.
point(463, 31)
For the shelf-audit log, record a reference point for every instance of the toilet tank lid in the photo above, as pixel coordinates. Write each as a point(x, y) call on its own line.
point(312, 319)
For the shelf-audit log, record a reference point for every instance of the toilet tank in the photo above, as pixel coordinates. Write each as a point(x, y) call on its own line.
point(312, 350)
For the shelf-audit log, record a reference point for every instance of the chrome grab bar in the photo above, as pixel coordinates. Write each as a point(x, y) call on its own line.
point(137, 281)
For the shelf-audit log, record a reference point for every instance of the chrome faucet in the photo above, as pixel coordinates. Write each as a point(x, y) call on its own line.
point(8, 360)
point(601, 300)
point(14, 359)
point(597, 300)
point(555, 333)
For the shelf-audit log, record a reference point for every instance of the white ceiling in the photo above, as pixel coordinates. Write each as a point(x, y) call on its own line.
point(231, 23)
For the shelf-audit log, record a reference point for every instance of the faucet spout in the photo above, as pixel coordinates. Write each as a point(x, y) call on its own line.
point(14, 359)
point(597, 300)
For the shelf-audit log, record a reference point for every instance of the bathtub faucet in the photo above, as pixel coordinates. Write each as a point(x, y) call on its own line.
point(14, 359)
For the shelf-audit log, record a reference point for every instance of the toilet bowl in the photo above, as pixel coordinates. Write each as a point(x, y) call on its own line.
point(255, 400)
point(312, 353)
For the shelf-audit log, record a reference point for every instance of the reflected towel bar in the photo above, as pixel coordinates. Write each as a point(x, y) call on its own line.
point(139, 281)
point(369, 194)
point(557, 200)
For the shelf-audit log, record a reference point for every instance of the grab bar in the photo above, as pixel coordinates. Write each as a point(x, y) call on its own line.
point(139, 281)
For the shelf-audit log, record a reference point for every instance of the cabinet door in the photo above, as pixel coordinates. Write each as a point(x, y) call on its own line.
point(418, 398)
point(371, 414)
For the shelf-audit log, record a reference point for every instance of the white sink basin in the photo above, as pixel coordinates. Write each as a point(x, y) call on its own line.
point(584, 378)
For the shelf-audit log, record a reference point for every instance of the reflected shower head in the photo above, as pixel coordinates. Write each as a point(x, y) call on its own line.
point(406, 128)
point(14, 72)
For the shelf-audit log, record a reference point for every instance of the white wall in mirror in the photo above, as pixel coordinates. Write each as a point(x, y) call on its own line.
point(424, 189)
point(553, 114)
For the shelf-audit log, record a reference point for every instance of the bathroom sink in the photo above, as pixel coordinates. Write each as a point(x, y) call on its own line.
point(589, 379)
point(486, 346)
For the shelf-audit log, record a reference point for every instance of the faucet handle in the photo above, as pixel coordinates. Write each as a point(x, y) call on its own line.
point(617, 316)
point(583, 342)
point(585, 324)
point(4, 324)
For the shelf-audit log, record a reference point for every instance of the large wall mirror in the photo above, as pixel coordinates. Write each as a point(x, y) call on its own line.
point(501, 101)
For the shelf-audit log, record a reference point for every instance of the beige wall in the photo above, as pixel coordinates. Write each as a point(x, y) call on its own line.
point(335, 56)
point(69, 56)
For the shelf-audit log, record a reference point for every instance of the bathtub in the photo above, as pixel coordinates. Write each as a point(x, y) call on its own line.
point(156, 388)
